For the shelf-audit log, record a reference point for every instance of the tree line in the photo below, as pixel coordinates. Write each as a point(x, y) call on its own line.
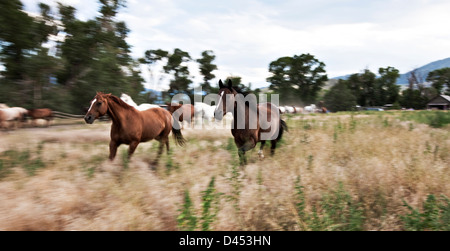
point(58, 61)
point(368, 89)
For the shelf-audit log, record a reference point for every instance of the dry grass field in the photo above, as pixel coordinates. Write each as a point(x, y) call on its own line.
point(366, 171)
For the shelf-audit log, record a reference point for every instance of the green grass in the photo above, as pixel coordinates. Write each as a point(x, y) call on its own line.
point(435, 119)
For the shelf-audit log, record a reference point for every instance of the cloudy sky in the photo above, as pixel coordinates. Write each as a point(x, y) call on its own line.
point(347, 35)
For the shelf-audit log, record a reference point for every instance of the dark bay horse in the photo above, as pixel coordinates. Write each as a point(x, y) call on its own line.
point(182, 112)
point(251, 124)
point(130, 126)
point(43, 113)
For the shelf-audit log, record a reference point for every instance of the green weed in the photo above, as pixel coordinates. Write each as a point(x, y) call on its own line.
point(435, 215)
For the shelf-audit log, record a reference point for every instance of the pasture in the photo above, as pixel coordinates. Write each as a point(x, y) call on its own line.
point(344, 171)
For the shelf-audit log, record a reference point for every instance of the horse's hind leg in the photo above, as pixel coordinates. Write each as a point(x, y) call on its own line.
point(260, 152)
point(273, 146)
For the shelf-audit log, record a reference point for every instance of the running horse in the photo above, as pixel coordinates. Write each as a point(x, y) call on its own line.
point(131, 127)
point(43, 113)
point(251, 124)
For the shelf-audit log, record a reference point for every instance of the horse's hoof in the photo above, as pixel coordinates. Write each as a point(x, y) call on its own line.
point(153, 165)
point(261, 155)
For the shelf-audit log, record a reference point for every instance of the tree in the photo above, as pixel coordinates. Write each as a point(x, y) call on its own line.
point(27, 64)
point(414, 97)
point(97, 55)
point(206, 69)
point(387, 91)
point(181, 81)
point(340, 98)
point(38, 70)
point(440, 80)
point(298, 78)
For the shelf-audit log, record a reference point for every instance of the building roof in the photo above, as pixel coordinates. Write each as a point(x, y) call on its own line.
point(446, 97)
point(440, 100)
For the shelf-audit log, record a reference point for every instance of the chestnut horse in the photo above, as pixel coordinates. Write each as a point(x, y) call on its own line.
point(178, 110)
point(43, 113)
point(251, 124)
point(130, 126)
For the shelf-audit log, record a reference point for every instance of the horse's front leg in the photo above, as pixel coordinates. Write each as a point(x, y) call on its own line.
point(113, 145)
point(132, 148)
point(242, 158)
point(250, 144)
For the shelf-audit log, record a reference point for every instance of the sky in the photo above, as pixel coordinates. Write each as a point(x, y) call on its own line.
point(246, 35)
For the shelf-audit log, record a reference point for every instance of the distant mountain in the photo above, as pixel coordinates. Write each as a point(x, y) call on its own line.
point(421, 71)
point(424, 70)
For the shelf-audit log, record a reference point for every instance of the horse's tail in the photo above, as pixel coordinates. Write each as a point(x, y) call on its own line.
point(283, 127)
point(179, 140)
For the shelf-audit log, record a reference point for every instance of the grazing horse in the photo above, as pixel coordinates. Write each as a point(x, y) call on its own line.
point(250, 124)
point(130, 126)
point(178, 111)
point(127, 99)
point(43, 113)
point(16, 114)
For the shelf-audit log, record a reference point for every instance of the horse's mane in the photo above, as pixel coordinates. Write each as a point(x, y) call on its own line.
point(240, 90)
point(120, 102)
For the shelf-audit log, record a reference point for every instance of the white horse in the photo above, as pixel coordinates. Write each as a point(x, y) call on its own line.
point(204, 110)
point(289, 109)
point(12, 114)
point(127, 99)
point(310, 109)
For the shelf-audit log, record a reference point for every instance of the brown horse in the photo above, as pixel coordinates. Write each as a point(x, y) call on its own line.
point(178, 110)
point(251, 124)
point(43, 113)
point(130, 126)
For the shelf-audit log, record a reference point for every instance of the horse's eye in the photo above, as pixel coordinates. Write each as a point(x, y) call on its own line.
point(99, 103)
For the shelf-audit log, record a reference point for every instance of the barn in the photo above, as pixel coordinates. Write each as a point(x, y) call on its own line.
point(440, 102)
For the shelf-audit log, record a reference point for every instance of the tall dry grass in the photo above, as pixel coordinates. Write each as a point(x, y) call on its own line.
point(379, 160)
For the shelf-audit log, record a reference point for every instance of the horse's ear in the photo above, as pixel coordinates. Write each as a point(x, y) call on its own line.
point(221, 84)
point(229, 84)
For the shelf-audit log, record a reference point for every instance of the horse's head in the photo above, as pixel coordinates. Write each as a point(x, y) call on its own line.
point(226, 100)
point(172, 107)
point(98, 108)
